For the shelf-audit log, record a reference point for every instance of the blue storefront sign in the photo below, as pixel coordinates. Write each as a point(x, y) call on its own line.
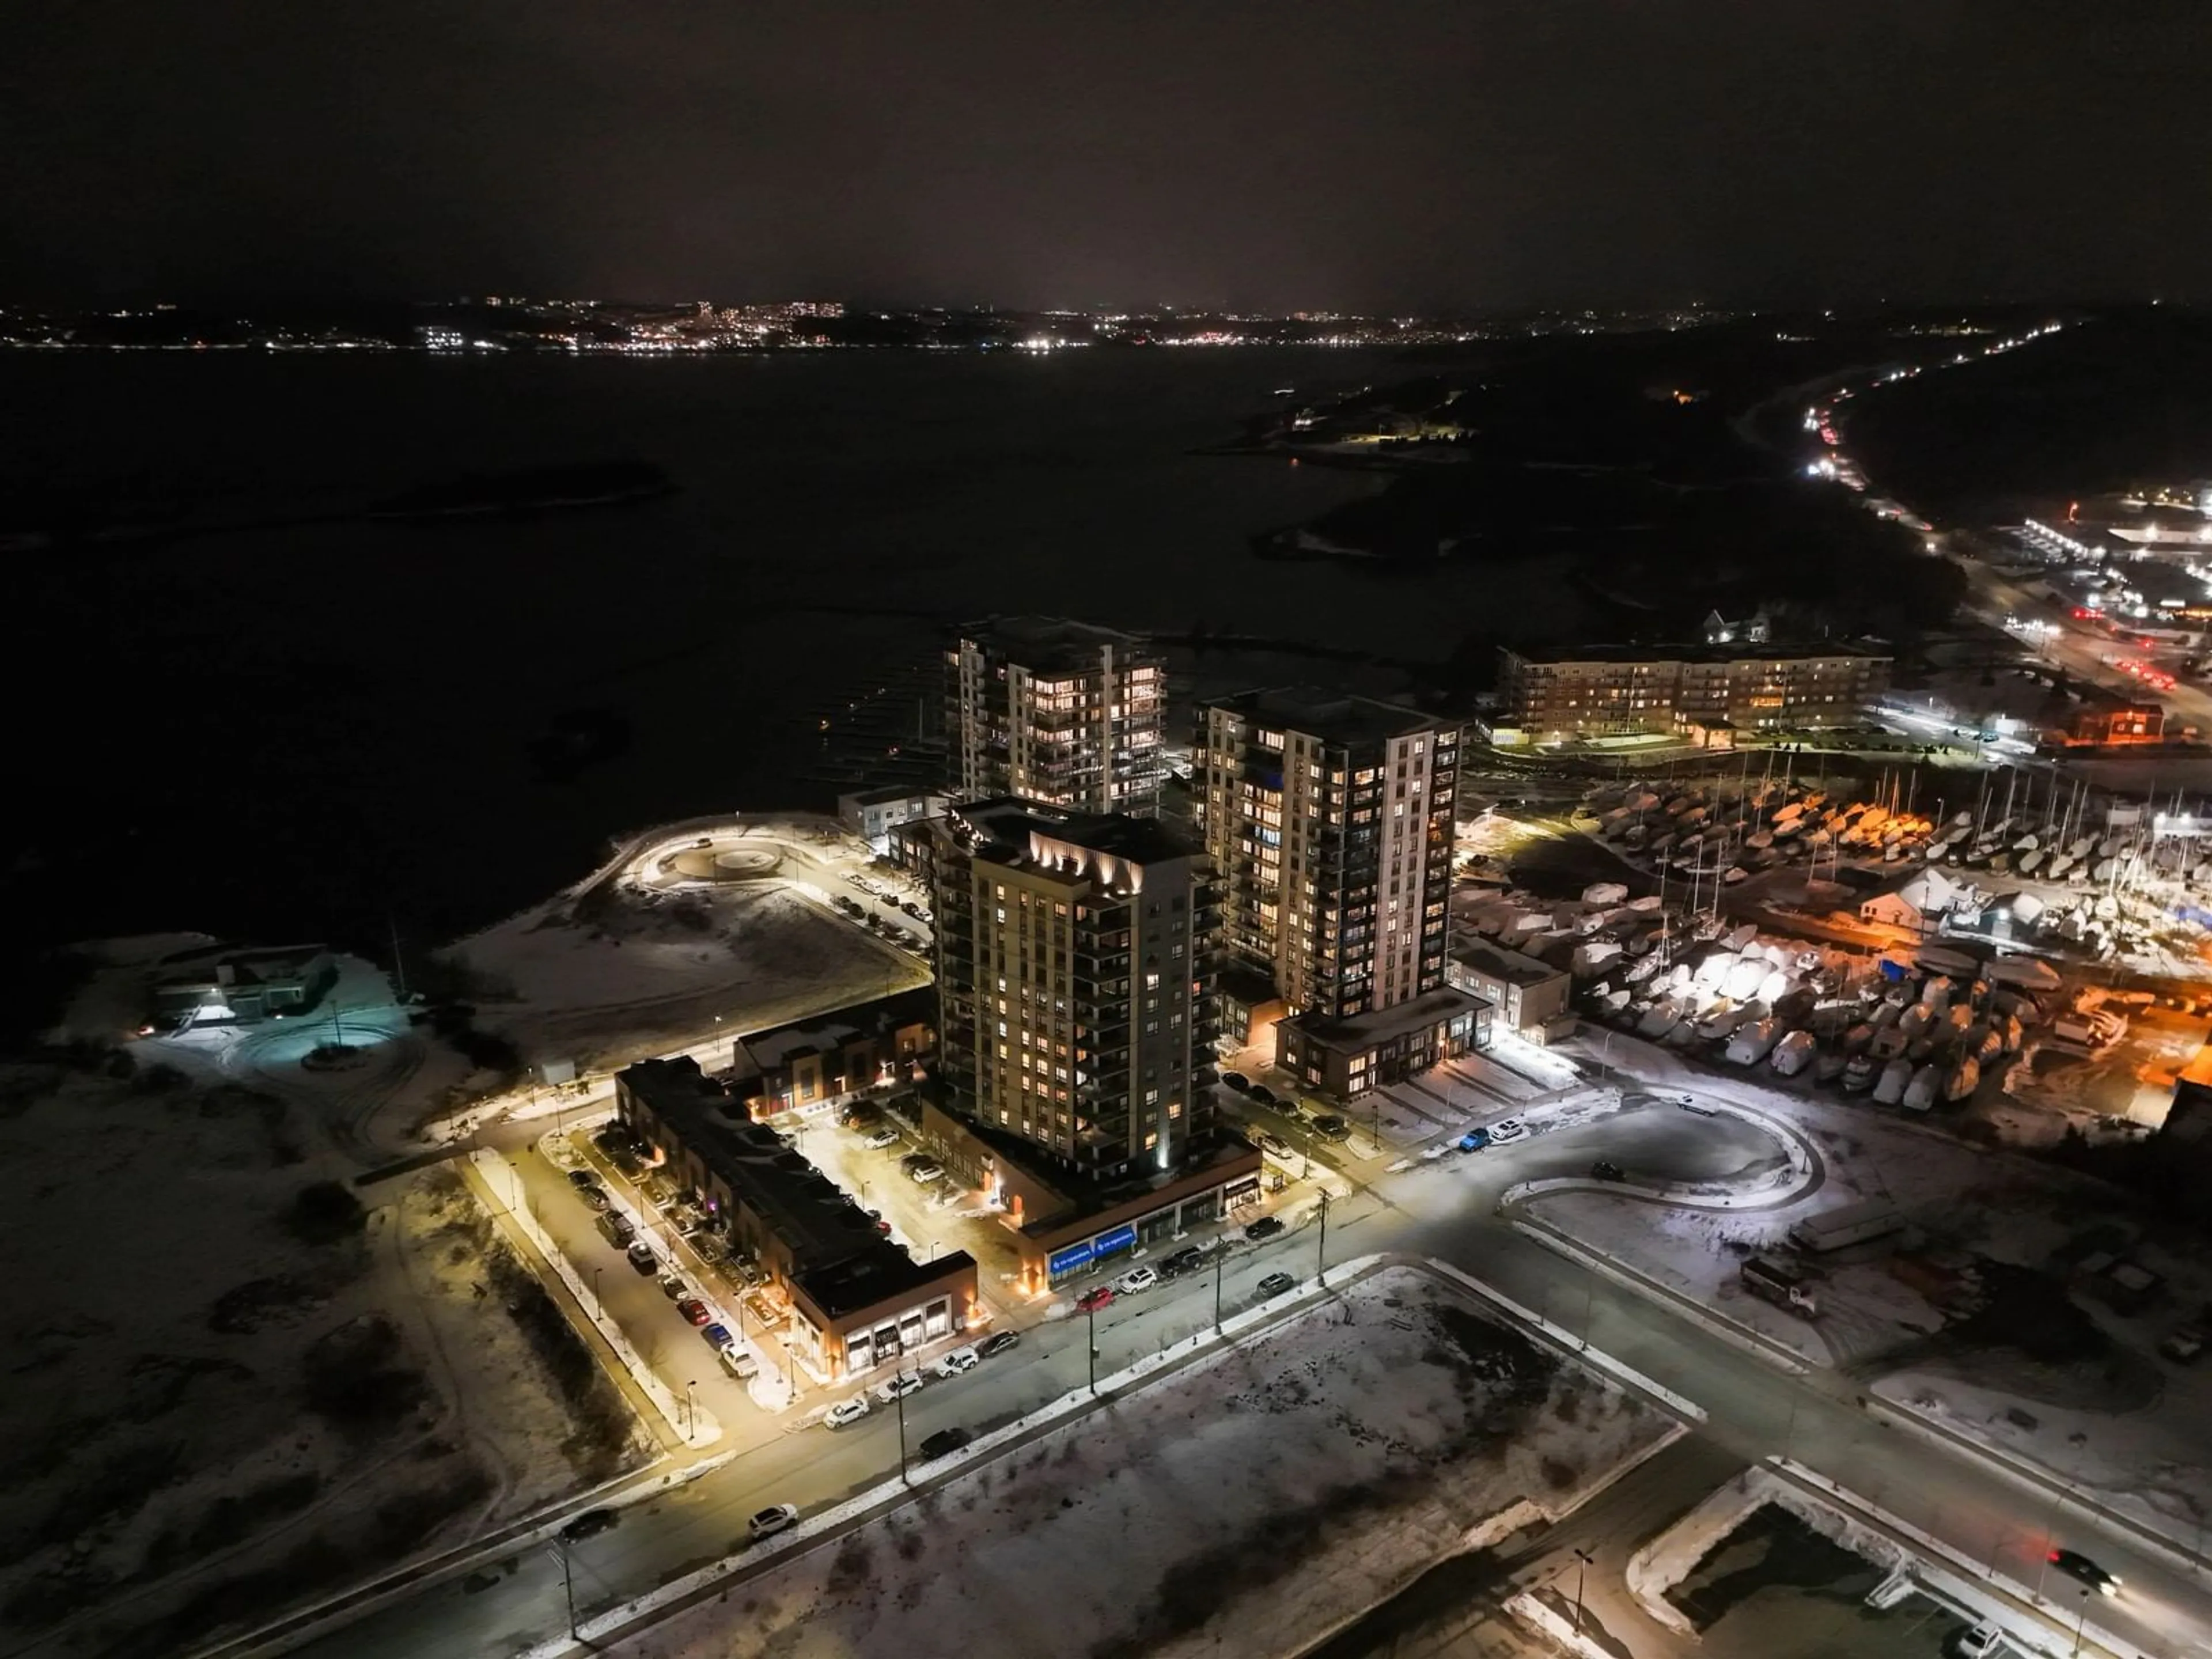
point(1119, 1239)
point(1061, 1263)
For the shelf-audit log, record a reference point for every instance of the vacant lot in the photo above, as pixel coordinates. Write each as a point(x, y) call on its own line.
point(1242, 1505)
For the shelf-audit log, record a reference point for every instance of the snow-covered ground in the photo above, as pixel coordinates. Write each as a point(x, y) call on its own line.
point(214, 1408)
point(635, 971)
point(1245, 1504)
point(1699, 1253)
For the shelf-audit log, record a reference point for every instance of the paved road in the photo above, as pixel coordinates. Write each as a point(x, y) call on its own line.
point(1445, 1209)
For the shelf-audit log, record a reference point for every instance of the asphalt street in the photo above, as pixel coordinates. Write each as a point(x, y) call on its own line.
point(1446, 1209)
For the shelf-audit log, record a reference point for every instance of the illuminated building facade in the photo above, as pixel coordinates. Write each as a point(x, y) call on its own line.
point(1057, 712)
point(1075, 962)
point(1599, 691)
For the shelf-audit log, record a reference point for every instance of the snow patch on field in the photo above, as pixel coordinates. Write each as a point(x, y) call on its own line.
point(1243, 1504)
point(214, 1408)
point(628, 975)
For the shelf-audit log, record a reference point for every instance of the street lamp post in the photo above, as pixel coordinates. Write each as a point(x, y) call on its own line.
point(567, 1584)
point(1091, 1318)
point(598, 1306)
point(1583, 1560)
point(690, 1409)
point(2080, 1622)
point(1220, 1259)
point(899, 1399)
point(1321, 1257)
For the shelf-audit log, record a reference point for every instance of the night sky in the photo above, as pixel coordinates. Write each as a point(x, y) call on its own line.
point(1374, 153)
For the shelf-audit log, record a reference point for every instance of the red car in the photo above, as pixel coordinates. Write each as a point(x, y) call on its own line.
point(1092, 1301)
point(694, 1310)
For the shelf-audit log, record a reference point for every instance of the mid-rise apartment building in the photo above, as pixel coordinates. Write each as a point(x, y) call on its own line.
point(1075, 963)
point(1057, 712)
point(1330, 818)
point(1598, 691)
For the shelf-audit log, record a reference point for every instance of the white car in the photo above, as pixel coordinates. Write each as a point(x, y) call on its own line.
point(1982, 1641)
point(899, 1386)
point(772, 1520)
point(882, 1138)
point(1136, 1279)
point(1506, 1130)
point(959, 1360)
point(846, 1411)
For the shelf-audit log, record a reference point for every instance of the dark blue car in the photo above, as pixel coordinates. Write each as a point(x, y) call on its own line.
point(1475, 1140)
point(718, 1336)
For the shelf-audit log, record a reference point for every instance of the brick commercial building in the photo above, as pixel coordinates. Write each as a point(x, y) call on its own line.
point(820, 1062)
point(1057, 712)
point(1602, 692)
point(853, 1299)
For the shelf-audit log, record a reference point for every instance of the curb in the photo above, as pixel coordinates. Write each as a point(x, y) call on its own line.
point(2031, 1473)
point(1742, 1336)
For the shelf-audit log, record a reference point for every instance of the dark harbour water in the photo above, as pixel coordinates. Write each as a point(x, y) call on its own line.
point(291, 731)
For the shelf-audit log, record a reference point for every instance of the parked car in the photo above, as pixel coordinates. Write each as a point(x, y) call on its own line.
point(944, 1443)
point(1983, 1640)
point(771, 1521)
point(899, 1386)
point(860, 1115)
point(1134, 1281)
point(739, 1363)
point(882, 1138)
point(594, 1195)
point(673, 1287)
point(718, 1335)
point(582, 1178)
point(2183, 1345)
point(695, 1311)
point(957, 1361)
point(1274, 1146)
point(1507, 1130)
point(928, 1171)
point(1475, 1140)
point(846, 1412)
point(642, 1258)
point(1262, 1093)
point(1276, 1284)
point(618, 1228)
point(1692, 1104)
point(1265, 1227)
point(590, 1524)
point(1606, 1169)
point(1238, 1081)
point(1329, 1126)
point(2075, 1564)
point(997, 1342)
point(1182, 1261)
point(1092, 1300)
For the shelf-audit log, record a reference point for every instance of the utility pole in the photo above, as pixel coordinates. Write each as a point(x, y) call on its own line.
point(1321, 1257)
point(1091, 1318)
